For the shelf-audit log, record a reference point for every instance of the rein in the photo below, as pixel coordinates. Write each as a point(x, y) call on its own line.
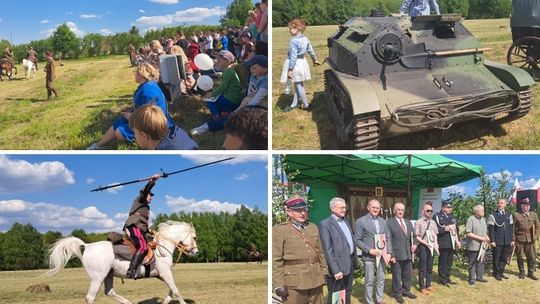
point(179, 246)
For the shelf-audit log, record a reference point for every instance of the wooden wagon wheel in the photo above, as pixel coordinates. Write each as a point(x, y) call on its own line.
point(525, 53)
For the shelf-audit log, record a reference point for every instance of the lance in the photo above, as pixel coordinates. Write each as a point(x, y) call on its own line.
point(163, 174)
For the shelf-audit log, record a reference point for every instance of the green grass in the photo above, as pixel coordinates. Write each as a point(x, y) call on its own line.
point(512, 290)
point(315, 131)
point(92, 92)
point(217, 283)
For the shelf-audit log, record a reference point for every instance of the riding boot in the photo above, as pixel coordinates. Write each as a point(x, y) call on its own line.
point(136, 260)
point(531, 265)
point(521, 269)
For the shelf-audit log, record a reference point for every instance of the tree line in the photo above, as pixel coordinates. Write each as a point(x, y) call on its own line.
point(68, 45)
point(322, 12)
point(221, 237)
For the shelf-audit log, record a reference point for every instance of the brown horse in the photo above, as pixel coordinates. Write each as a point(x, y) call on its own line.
point(254, 256)
point(6, 68)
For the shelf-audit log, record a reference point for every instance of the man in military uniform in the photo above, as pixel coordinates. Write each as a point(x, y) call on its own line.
point(8, 56)
point(446, 225)
point(501, 234)
point(298, 263)
point(32, 56)
point(526, 231)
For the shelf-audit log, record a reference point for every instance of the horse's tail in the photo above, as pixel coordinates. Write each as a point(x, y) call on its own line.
point(62, 251)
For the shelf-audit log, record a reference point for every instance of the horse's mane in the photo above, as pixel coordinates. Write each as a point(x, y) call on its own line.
point(172, 229)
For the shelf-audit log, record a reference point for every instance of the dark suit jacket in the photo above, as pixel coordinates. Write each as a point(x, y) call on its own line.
point(336, 248)
point(443, 237)
point(501, 228)
point(401, 243)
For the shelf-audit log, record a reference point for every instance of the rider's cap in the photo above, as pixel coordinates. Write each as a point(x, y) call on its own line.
point(296, 203)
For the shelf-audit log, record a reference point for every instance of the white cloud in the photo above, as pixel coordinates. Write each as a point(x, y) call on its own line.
point(202, 159)
point(49, 216)
point(498, 176)
point(240, 177)
point(90, 180)
point(106, 32)
point(528, 183)
point(165, 1)
point(90, 16)
point(73, 27)
point(194, 14)
point(114, 190)
point(20, 175)
point(142, 11)
point(190, 205)
point(455, 189)
point(44, 21)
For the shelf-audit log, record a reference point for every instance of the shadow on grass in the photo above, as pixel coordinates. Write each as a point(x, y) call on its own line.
point(156, 300)
point(32, 100)
point(190, 112)
point(283, 101)
point(325, 125)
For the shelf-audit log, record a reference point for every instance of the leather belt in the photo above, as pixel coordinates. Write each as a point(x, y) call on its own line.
point(300, 262)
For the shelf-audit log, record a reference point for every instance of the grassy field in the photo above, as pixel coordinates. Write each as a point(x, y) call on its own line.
point(315, 131)
point(512, 290)
point(92, 92)
point(219, 283)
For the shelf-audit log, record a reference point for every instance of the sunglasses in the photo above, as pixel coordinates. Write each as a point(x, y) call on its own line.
point(429, 211)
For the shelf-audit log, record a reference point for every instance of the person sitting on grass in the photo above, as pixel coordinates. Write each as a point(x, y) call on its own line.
point(147, 92)
point(257, 93)
point(223, 99)
point(152, 132)
point(247, 130)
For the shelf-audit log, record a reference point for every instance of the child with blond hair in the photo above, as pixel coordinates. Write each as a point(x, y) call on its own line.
point(296, 68)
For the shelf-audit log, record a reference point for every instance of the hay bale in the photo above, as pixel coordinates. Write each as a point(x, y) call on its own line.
point(38, 288)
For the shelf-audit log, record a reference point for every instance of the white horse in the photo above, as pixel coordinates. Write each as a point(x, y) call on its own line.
point(29, 69)
point(102, 266)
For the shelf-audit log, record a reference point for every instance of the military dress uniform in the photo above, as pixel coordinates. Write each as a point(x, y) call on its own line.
point(297, 265)
point(526, 231)
point(446, 250)
point(501, 232)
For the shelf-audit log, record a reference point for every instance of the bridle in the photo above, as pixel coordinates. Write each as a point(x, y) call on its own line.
point(183, 249)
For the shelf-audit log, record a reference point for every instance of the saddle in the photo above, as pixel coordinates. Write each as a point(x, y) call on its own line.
point(124, 248)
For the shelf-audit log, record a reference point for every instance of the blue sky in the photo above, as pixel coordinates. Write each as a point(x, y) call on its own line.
point(52, 192)
point(523, 167)
point(33, 20)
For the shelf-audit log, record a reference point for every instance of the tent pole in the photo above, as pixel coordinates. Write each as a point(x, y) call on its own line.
point(409, 196)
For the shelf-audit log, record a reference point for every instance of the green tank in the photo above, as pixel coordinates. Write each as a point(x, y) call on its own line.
point(390, 76)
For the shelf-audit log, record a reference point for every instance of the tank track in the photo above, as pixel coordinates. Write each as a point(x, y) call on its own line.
point(364, 130)
point(525, 103)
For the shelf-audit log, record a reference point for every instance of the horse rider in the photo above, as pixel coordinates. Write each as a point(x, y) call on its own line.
point(136, 226)
point(8, 56)
point(32, 56)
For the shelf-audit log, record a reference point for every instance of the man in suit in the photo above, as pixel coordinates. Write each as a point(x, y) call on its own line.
point(501, 233)
point(446, 225)
point(401, 232)
point(338, 246)
point(298, 264)
point(366, 228)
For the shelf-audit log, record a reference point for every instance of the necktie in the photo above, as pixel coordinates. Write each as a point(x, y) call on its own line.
point(403, 226)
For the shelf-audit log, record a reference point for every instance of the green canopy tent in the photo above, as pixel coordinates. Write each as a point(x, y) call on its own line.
point(325, 173)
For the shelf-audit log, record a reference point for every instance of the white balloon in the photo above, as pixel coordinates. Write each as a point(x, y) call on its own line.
point(204, 62)
point(205, 83)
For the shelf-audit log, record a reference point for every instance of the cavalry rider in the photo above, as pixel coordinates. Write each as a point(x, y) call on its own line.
point(136, 226)
point(32, 56)
point(8, 55)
